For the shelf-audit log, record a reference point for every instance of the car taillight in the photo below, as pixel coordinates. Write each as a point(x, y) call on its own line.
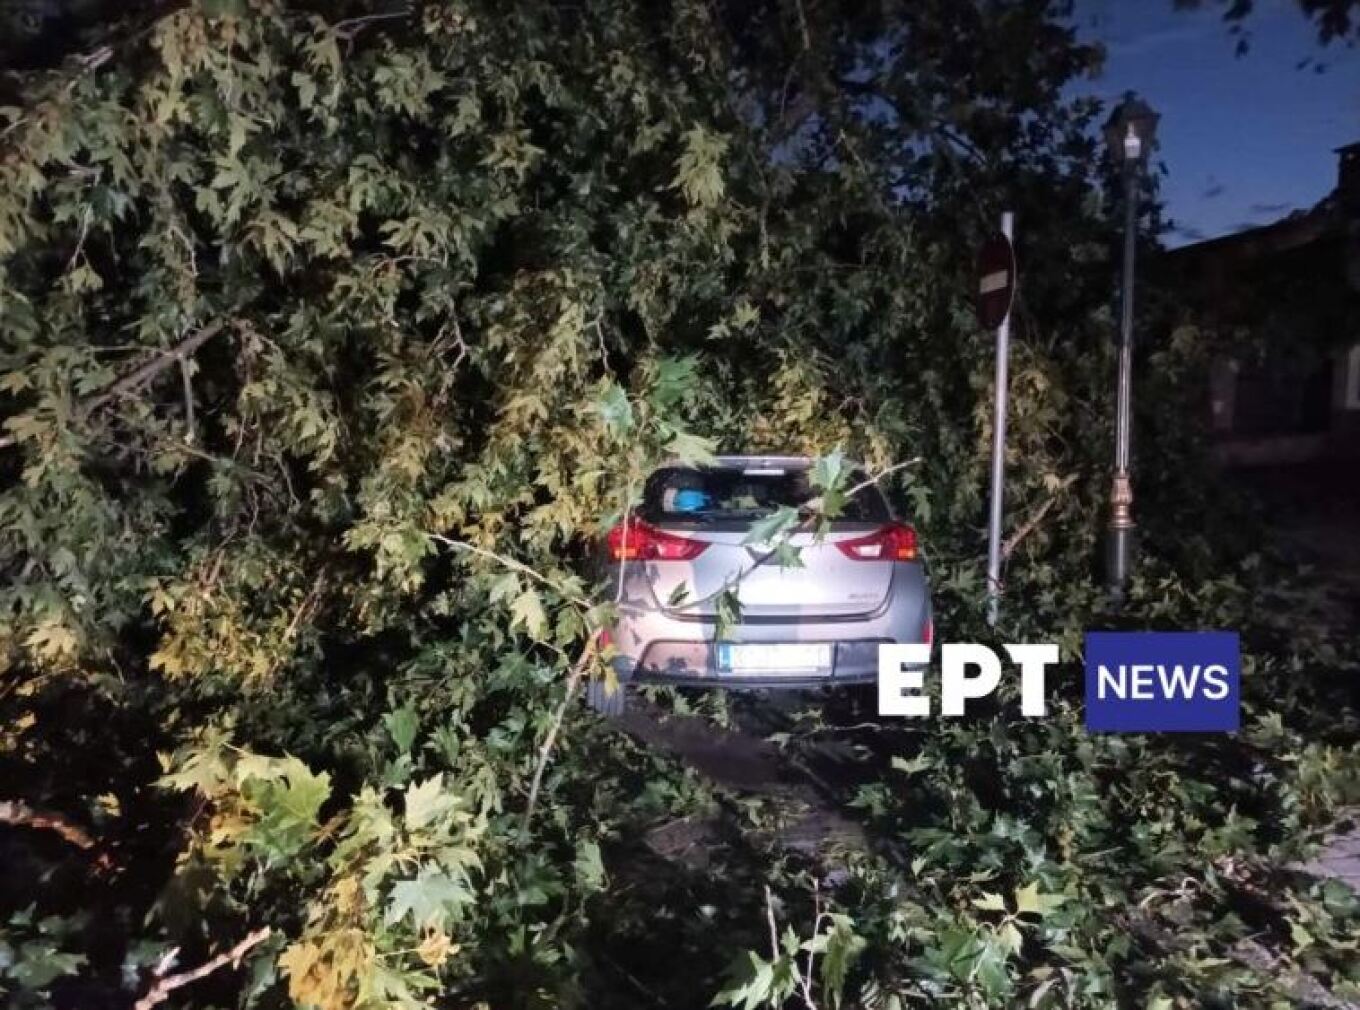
point(894, 542)
point(636, 540)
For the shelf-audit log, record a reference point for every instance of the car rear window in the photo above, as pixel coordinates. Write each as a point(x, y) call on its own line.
point(733, 495)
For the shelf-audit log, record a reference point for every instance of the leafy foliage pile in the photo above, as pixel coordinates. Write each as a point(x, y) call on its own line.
point(333, 341)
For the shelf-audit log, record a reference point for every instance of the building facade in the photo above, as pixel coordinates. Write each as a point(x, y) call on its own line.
point(1289, 295)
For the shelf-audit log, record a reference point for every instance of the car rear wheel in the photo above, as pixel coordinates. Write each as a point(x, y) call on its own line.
point(609, 704)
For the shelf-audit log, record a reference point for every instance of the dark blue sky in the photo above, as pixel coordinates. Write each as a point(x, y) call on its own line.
point(1245, 139)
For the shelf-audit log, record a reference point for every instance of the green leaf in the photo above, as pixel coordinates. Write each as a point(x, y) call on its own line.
point(39, 963)
point(504, 587)
point(1300, 937)
point(1029, 900)
point(427, 801)
point(289, 797)
point(53, 640)
point(304, 794)
point(691, 450)
point(728, 607)
point(989, 970)
point(675, 379)
point(990, 902)
point(765, 531)
point(589, 866)
point(306, 88)
point(750, 984)
point(829, 471)
point(431, 899)
point(392, 988)
point(843, 946)
point(1010, 938)
point(616, 410)
point(528, 611)
point(402, 725)
point(920, 763)
point(698, 173)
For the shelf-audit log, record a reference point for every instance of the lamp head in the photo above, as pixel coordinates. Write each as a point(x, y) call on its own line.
point(1131, 130)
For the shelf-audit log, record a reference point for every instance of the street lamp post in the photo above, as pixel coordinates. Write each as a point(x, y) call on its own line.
point(1130, 133)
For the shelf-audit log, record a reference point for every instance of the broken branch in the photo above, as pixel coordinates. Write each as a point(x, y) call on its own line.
point(16, 812)
point(163, 987)
point(1008, 548)
point(167, 358)
point(133, 379)
point(578, 670)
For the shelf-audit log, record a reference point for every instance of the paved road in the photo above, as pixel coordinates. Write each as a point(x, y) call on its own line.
point(1315, 514)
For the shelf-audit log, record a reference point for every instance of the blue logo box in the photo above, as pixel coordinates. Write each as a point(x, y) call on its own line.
point(1163, 681)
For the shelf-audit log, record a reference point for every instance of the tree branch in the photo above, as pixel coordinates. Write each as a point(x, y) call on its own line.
point(1008, 548)
point(811, 973)
point(353, 26)
point(304, 606)
point(164, 986)
point(188, 400)
point(132, 380)
point(511, 563)
point(578, 670)
point(880, 475)
point(803, 26)
point(22, 815)
point(774, 929)
point(135, 378)
point(19, 813)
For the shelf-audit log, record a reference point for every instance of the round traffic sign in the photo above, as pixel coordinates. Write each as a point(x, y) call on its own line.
point(995, 281)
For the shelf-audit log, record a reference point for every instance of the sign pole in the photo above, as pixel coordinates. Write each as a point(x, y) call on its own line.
point(1003, 347)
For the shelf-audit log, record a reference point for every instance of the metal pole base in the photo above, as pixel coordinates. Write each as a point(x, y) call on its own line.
point(1120, 544)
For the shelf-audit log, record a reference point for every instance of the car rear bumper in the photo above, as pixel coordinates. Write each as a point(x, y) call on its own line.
point(656, 647)
point(695, 664)
point(800, 682)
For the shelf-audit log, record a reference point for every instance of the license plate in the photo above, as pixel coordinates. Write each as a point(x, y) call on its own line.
point(756, 658)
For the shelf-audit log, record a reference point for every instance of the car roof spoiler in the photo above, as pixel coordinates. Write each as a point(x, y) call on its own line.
point(758, 462)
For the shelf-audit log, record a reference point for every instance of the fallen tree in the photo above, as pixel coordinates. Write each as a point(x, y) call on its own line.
point(297, 633)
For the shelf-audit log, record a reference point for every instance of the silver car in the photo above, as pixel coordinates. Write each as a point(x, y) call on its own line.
point(683, 554)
